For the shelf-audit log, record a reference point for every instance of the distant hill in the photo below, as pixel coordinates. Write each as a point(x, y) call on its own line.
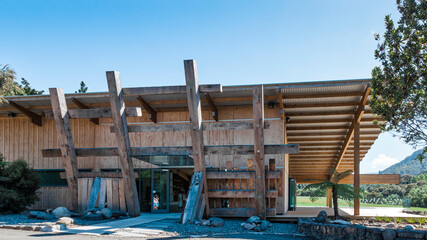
point(408, 166)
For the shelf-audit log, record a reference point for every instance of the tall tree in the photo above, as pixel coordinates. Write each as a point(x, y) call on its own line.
point(28, 90)
point(399, 84)
point(8, 86)
point(83, 88)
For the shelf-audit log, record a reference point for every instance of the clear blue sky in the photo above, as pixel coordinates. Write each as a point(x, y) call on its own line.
point(60, 43)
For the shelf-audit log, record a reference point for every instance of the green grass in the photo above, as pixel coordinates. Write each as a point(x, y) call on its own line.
point(321, 202)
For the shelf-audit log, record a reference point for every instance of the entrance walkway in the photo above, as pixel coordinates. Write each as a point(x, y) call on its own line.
point(114, 226)
point(366, 212)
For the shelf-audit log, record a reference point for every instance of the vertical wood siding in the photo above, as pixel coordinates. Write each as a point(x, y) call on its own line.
point(20, 139)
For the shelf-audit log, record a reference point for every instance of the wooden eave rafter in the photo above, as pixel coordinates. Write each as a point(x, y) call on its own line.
point(152, 114)
point(212, 106)
point(34, 117)
point(357, 117)
point(81, 105)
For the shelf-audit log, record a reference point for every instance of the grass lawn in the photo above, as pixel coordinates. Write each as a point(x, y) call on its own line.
point(321, 202)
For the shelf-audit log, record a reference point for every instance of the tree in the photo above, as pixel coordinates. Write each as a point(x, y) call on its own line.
point(18, 186)
point(343, 191)
point(83, 88)
point(399, 85)
point(27, 89)
point(8, 86)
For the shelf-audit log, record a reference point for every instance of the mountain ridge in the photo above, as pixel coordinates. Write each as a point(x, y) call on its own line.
point(408, 166)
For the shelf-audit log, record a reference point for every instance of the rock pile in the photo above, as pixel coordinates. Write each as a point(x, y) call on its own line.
point(254, 223)
point(211, 222)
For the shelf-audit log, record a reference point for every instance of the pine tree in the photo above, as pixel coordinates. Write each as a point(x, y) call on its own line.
point(83, 88)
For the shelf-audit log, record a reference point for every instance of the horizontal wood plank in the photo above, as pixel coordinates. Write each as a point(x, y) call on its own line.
point(96, 113)
point(143, 91)
point(177, 151)
point(187, 127)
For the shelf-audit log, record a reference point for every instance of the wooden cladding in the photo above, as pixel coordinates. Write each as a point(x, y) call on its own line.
point(232, 191)
point(102, 192)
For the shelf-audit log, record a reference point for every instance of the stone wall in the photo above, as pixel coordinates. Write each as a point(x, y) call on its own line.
point(325, 231)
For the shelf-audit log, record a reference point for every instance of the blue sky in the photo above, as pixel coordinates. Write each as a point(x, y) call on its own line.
point(60, 43)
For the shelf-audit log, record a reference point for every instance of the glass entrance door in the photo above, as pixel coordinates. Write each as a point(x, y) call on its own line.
point(160, 191)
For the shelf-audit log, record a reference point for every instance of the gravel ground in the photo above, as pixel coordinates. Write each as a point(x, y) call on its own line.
point(230, 227)
point(22, 219)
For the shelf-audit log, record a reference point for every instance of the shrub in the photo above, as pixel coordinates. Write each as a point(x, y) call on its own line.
point(411, 220)
point(18, 186)
point(421, 220)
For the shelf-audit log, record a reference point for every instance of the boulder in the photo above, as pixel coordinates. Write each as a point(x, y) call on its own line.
point(409, 227)
point(249, 226)
point(45, 216)
point(46, 229)
point(197, 222)
point(372, 220)
point(93, 217)
point(61, 212)
point(257, 229)
point(107, 213)
point(59, 227)
point(65, 220)
point(254, 219)
point(321, 217)
point(216, 222)
point(389, 234)
point(390, 225)
point(206, 223)
point(265, 225)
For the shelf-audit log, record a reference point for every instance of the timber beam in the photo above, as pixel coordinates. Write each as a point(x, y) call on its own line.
point(152, 114)
point(34, 117)
point(123, 142)
point(357, 117)
point(364, 178)
point(258, 118)
point(212, 106)
point(239, 125)
point(144, 91)
point(234, 150)
point(81, 105)
point(67, 151)
point(97, 113)
point(193, 91)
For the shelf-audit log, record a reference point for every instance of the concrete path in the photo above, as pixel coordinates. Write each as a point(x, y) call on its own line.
point(114, 226)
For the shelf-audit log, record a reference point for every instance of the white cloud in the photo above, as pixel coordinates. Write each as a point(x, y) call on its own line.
point(382, 162)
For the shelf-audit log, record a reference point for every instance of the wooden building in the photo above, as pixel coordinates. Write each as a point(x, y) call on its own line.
point(135, 149)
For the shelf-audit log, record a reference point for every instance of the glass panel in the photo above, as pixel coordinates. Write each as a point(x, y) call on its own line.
point(168, 161)
point(144, 189)
point(160, 190)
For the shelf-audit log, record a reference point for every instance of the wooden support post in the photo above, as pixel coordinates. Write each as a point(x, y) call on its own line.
point(123, 143)
point(84, 106)
point(212, 106)
point(63, 128)
point(195, 111)
point(329, 197)
point(34, 117)
point(258, 116)
point(152, 114)
point(356, 166)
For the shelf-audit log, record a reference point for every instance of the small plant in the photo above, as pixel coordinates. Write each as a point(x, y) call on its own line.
point(379, 219)
point(421, 220)
point(387, 219)
point(398, 220)
point(411, 220)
